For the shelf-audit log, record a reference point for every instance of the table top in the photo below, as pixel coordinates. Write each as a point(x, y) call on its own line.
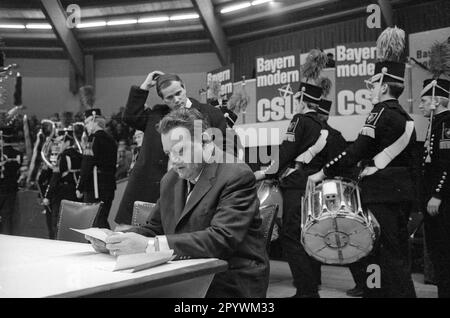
point(32, 267)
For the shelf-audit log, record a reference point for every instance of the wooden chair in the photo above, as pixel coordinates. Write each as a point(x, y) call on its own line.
point(76, 215)
point(141, 213)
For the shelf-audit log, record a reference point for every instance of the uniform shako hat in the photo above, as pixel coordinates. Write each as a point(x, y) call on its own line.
point(324, 107)
point(390, 47)
point(436, 87)
point(92, 112)
point(309, 93)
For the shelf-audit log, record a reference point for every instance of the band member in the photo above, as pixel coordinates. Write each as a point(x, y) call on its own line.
point(10, 163)
point(98, 167)
point(435, 170)
point(152, 163)
point(305, 133)
point(65, 175)
point(385, 151)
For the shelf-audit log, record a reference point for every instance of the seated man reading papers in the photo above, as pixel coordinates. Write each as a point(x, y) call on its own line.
point(208, 207)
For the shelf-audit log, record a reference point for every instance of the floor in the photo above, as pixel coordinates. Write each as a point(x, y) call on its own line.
point(335, 281)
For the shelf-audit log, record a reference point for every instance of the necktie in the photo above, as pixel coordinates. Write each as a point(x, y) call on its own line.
point(190, 187)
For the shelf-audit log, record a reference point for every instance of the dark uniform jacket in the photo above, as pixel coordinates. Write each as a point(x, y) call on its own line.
point(8, 184)
point(220, 219)
point(396, 182)
point(436, 172)
point(151, 164)
point(64, 182)
point(102, 153)
point(302, 133)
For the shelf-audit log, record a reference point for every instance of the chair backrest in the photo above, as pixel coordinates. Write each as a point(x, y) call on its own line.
point(75, 215)
point(268, 215)
point(141, 212)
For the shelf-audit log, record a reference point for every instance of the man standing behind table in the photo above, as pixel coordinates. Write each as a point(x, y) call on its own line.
point(207, 208)
point(152, 163)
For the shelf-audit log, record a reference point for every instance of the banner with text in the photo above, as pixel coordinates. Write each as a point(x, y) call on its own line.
point(355, 62)
point(224, 76)
point(277, 79)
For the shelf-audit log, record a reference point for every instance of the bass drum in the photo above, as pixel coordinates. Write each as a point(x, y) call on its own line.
point(335, 228)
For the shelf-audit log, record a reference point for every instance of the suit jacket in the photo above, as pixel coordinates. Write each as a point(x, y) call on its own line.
point(151, 164)
point(221, 219)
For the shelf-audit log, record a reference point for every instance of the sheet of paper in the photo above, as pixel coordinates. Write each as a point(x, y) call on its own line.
point(141, 261)
point(95, 232)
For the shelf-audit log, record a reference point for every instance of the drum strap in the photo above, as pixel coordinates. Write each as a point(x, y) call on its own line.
point(388, 154)
point(312, 151)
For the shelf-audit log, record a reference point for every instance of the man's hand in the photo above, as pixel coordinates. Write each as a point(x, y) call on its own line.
point(99, 246)
point(433, 206)
point(150, 81)
point(317, 177)
point(79, 194)
point(260, 175)
point(126, 243)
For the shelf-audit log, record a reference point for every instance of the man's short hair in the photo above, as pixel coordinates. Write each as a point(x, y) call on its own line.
point(395, 89)
point(165, 80)
point(183, 117)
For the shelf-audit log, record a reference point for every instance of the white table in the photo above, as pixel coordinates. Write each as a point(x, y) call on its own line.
point(31, 267)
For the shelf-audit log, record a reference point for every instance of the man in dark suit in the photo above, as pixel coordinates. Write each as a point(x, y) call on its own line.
point(207, 208)
point(151, 165)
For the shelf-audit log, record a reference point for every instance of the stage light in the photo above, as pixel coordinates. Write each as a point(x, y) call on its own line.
point(40, 26)
point(189, 16)
point(236, 7)
point(153, 19)
point(257, 2)
point(122, 22)
point(92, 24)
point(12, 26)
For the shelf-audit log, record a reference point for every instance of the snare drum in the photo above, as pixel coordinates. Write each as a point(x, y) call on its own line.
point(335, 228)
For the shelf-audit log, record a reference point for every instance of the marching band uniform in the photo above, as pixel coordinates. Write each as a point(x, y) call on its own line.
point(11, 162)
point(63, 181)
point(98, 169)
point(305, 132)
point(385, 149)
point(435, 173)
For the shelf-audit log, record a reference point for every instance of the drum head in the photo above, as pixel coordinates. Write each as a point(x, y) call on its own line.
point(339, 239)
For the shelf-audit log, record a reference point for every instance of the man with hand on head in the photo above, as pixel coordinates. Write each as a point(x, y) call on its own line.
point(152, 163)
point(207, 208)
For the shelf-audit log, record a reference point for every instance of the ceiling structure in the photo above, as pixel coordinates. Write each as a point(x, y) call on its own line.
point(209, 30)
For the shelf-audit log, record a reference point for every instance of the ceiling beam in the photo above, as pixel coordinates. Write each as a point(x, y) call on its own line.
point(206, 10)
point(387, 12)
point(55, 15)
